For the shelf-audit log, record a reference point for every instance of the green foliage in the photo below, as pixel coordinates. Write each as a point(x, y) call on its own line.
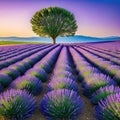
point(53, 22)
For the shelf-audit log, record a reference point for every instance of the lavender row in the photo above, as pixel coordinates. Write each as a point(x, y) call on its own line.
point(100, 92)
point(114, 60)
point(20, 57)
point(32, 80)
point(62, 100)
point(106, 66)
point(20, 104)
point(13, 71)
point(7, 49)
point(108, 54)
point(15, 53)
point(111, 47)
point(20, 50)
point(63, 74)
point(92, 79)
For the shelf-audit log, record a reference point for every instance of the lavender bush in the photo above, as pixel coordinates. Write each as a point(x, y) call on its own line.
point(30, 83)
point(64, 74)
point(45, 65)
point(25, 64)
point(94, 81)
point(113, 69)
point(16, 105)
point(62, 83)
point(61, 104)
point(117, 77)
point(86, 71)
point(4, 64)
point(18, 67)
point(39, 73)
point(13, 73)
point(108, 109)
point(62, 69)
point(103, 92)
point(5, 80)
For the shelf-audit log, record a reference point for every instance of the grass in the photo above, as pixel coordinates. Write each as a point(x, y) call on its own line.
point(16, 42)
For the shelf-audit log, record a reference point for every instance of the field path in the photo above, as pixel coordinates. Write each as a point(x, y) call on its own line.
point(38, 115)
point(88, 111)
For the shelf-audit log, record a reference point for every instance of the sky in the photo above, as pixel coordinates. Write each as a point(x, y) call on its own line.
point(99, 18)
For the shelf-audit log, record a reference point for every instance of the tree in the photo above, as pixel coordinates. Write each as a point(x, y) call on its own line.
point(53, 22)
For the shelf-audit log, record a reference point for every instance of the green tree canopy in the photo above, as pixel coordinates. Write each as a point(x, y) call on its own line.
point(53, 22)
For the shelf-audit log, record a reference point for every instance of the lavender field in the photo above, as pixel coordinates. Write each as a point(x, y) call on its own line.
point(60, 82)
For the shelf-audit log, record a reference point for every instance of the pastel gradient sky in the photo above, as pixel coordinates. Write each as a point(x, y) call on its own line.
point(98, 18)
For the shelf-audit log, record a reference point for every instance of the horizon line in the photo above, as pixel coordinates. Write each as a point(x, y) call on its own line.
point(59, 36)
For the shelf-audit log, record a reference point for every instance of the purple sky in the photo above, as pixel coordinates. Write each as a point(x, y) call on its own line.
point(94, 17)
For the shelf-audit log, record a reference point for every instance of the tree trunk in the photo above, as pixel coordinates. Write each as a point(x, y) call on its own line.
point(54, 40)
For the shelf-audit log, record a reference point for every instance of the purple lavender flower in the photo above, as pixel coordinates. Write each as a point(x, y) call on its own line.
point(108, 109)
point(103, 92)
point(39, 73)
point(30, 83)
point(62, 83)
point(16, 105)
point(5, 80)
point(61, 104)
